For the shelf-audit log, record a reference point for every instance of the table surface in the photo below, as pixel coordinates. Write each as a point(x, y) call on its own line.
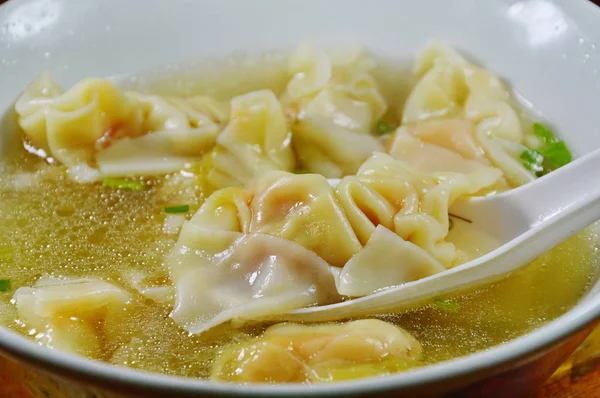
point(578, 377)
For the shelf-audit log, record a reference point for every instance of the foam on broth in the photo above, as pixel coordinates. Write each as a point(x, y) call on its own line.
point(50, 225)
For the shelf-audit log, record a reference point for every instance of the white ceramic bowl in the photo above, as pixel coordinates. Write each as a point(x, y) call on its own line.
point(548, 50)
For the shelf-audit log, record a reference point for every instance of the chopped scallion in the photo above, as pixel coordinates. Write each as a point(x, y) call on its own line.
point(4, 285)
point(120, 183)
point(532, 160)
point(543, 132)
point(446, 305)
point(384, 128)
point(552, 155)
point(556, 155)
point(177, 209)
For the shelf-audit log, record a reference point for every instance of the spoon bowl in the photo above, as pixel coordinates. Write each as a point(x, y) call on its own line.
point(526, 221)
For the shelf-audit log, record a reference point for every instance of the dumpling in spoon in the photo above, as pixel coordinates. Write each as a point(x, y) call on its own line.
point(294, 241)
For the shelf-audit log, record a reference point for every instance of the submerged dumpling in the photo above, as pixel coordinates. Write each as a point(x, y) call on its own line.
point(69, 314)
point(154, 286)
point(333, 103)
point(103, 131)
point(256, 140)
point(67, 125)
point(293, 353)
point(177, 131)
point(451, 88)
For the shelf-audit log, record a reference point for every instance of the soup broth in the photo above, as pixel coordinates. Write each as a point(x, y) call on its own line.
point(54, 226)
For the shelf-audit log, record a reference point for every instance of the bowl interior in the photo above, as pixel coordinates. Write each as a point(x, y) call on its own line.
point(537, 45)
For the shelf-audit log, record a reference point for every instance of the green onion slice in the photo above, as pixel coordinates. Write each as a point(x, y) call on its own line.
point(4, 285)
point(384, 128)
point(120, 183)
point(446, 305)
point(177, 209)
point(556, 155)
point(552, 155)
point(532, 160)
point(544, 133)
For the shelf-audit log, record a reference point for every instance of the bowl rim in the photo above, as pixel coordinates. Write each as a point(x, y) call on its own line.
point(102, 374)
point(80, 369)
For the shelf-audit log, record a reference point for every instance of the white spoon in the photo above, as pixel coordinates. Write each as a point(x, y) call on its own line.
point(527, 222)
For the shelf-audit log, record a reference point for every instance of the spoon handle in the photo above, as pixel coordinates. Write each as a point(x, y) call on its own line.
point(557, 195)
point(552, 208)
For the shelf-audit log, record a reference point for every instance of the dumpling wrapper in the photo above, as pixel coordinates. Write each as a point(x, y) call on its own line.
point(412, 204)
point(305, 210)
point(246, 277)
point(67, 125)
point(430, 158)
point(387, 260)
point(449, 88)
point(252, 254)
point(97, 130)
point(256, 140)
point(333, 103)
point(65, 313)
point(294, 353)
point(179, 131)
point(455, 135)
